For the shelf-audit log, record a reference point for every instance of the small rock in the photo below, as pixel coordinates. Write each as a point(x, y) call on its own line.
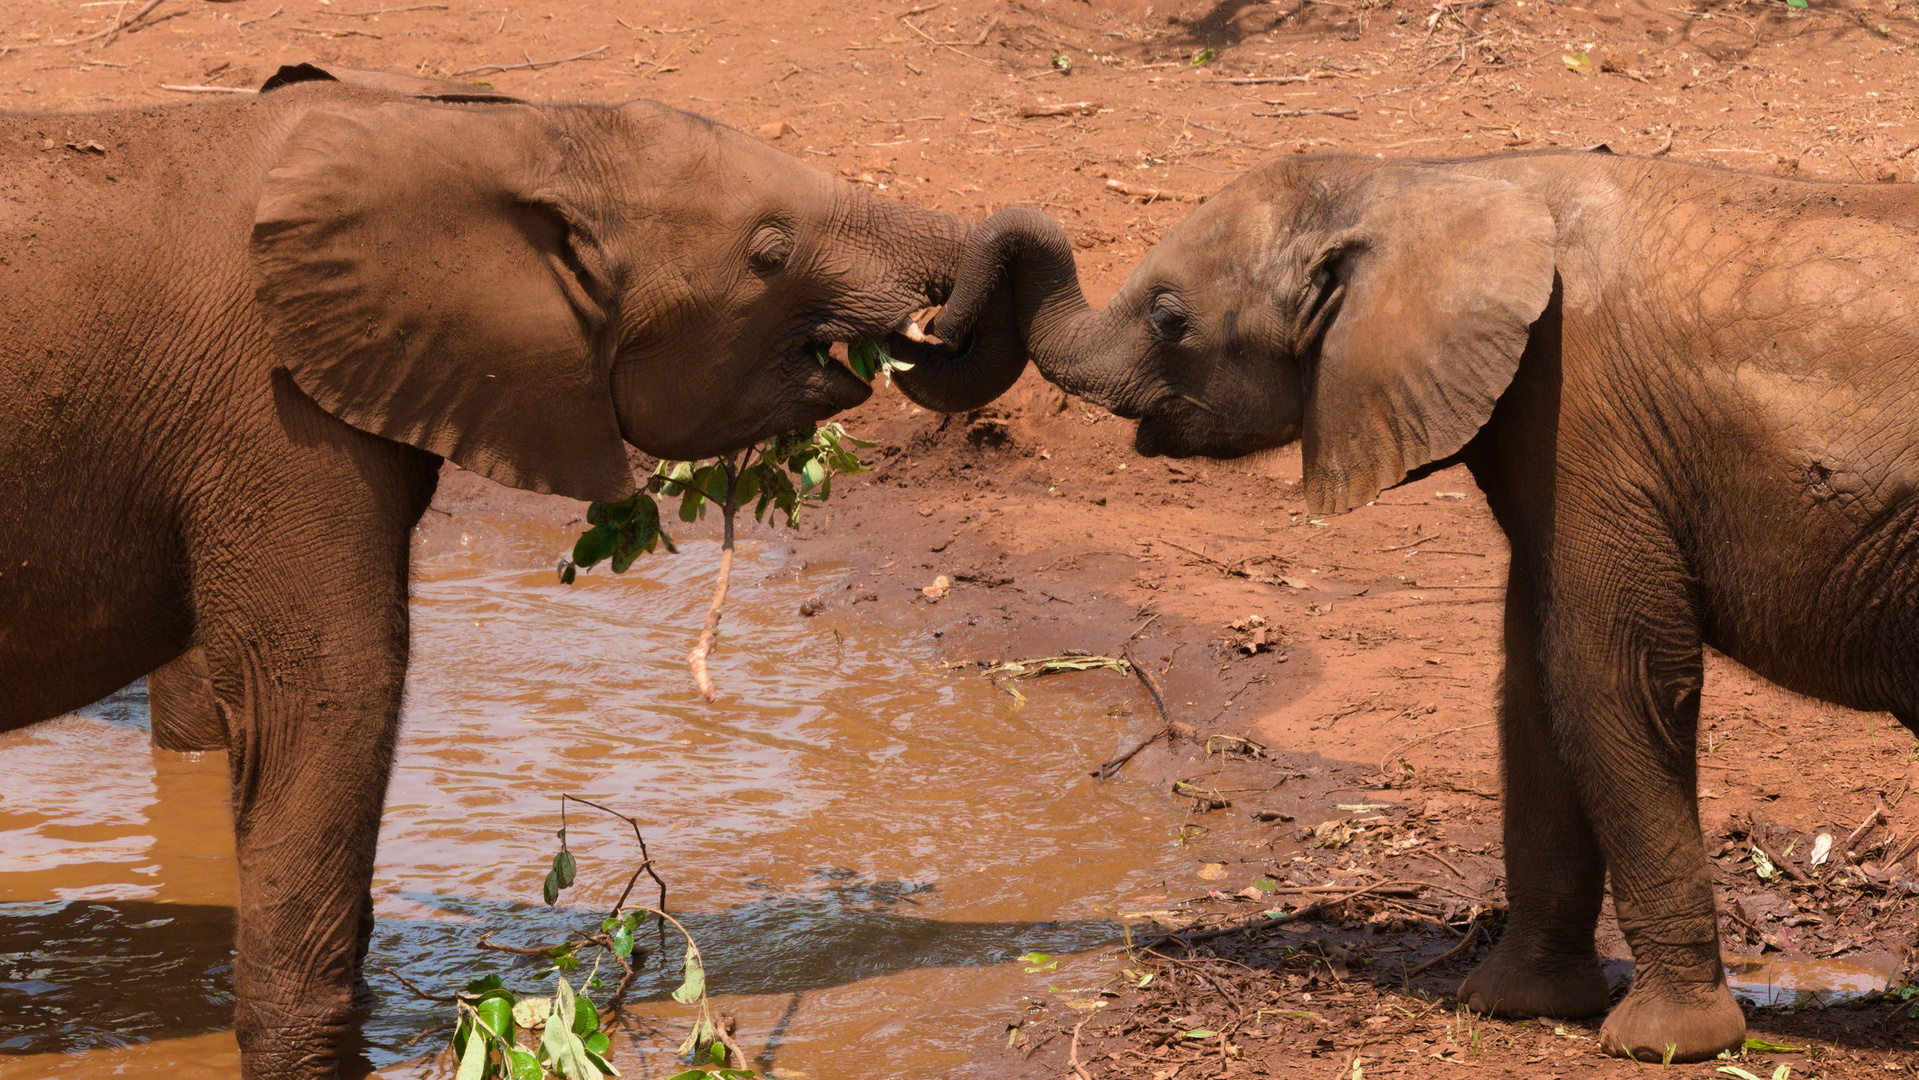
point(938, 589)
point(812, 606)
point(776, 129)
point(1212, 871)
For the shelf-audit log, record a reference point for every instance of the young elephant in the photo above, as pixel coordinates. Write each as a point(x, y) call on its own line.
point(236, 341)
point(1688, 396)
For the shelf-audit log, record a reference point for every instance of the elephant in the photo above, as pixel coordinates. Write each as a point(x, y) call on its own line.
point(1686, 393)
point(237, 341)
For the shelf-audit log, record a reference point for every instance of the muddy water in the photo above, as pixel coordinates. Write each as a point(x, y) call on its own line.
point(862, 842)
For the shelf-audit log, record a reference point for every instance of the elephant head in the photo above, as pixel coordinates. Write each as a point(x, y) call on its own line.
point(525, 289)
point(1376, 311)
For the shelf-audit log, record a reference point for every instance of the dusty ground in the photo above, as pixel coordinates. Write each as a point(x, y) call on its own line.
point(1374, 686)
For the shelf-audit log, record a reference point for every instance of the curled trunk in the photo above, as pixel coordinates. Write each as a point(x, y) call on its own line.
point(1017, 280)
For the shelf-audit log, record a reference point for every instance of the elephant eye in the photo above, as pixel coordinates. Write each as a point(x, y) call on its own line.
point(769, 250)
point(1168, 325)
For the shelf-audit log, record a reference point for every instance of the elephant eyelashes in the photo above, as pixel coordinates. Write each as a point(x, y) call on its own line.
point(770, 250)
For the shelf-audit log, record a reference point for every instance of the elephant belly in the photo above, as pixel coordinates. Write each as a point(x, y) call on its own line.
point(74, 631)
point(1824, 603)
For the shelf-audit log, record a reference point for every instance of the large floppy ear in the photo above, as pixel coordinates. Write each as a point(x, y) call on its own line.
point(1422, 309)
point(423, 279)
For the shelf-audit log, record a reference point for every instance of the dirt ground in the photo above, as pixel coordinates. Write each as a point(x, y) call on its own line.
point(1336, 675)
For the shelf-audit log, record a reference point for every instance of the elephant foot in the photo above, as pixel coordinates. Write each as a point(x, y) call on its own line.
point(1653, 1024)
point(1510, 984)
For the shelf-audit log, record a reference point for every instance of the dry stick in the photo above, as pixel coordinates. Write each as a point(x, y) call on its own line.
point(417, 992)
point(1343, 113)
point(1386, 761)
point(383, 11)
point(208, 89)
point(111, 30)
point(1262, 80)
point(1106, 771)
point(1878, 815)
point(1072, 1053)
point(1151, 194)
point(533, 63)
point(697, 658)
point(1264, 920)
point(1472, 934)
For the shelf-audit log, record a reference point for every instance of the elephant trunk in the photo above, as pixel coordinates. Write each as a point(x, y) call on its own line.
point(970, 367)
point(1017, 270)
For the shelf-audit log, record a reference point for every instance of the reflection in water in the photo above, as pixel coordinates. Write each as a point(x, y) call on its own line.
point(863, 843)
point(1774, 980)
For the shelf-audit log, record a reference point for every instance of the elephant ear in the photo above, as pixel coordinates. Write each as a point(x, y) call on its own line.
point(1424, 307)
point(422, 279)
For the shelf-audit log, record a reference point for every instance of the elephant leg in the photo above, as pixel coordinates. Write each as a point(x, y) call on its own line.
point(1624, 675)
point(1545, 963)
point(180, 701)
point(313, 672)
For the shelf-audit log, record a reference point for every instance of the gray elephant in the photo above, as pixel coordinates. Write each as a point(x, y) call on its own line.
point(237, 340)
point(1688, 395)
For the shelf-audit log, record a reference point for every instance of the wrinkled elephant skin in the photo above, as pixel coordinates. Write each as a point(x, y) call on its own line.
point(1689, 396)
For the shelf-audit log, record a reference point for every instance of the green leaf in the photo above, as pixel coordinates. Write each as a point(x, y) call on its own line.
point(600, 1062)
point(586, 1018)
point(522, 1065)
point(812, 475)
point(473, 1058)
point(1198, 1033)
point(568, 571)
point(1062, 61)
point(1734, 1070)
point(565, 1053)
point(1040, 961)
point(691, 1074)
point(594, 545)
point(701, 1036)
point(598, 1043)
point(1764, 1047)
point(1579, 62)
point(1266, 885)
point(1203, 57)
point(483, 985)
point(565, 866)
point(694, 987)
point(551, 889)
point(1797, 3)
point(623, 941)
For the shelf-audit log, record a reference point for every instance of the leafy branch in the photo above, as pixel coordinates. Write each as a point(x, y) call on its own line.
point(493, 1022)
point(782, 475)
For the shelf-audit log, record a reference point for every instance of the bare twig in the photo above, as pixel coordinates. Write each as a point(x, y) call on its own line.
point(1386, 762)
point(1472, 934)
point(532, 63)
point(1072, 1053)
point(1106, 771)
point(1342, 113)
point(118, 25)
point(1878, 816)
point(1151, 194)
point(1068, 108)
point(383, 11)
point(697, 658)
point(208, 89)
point(417, 992)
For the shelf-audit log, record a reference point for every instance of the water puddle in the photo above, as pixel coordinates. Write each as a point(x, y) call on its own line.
point(863, 843)
point(1777, 981)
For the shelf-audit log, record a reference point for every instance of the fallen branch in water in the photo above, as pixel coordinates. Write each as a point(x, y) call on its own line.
point(1107, 771)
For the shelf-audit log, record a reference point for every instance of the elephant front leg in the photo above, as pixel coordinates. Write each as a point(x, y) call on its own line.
point(1545, 963)
point(318, 700)
point(1625, 676)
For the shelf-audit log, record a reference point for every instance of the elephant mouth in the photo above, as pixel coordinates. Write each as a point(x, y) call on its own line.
point(830, 381)
point(1178, 429)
